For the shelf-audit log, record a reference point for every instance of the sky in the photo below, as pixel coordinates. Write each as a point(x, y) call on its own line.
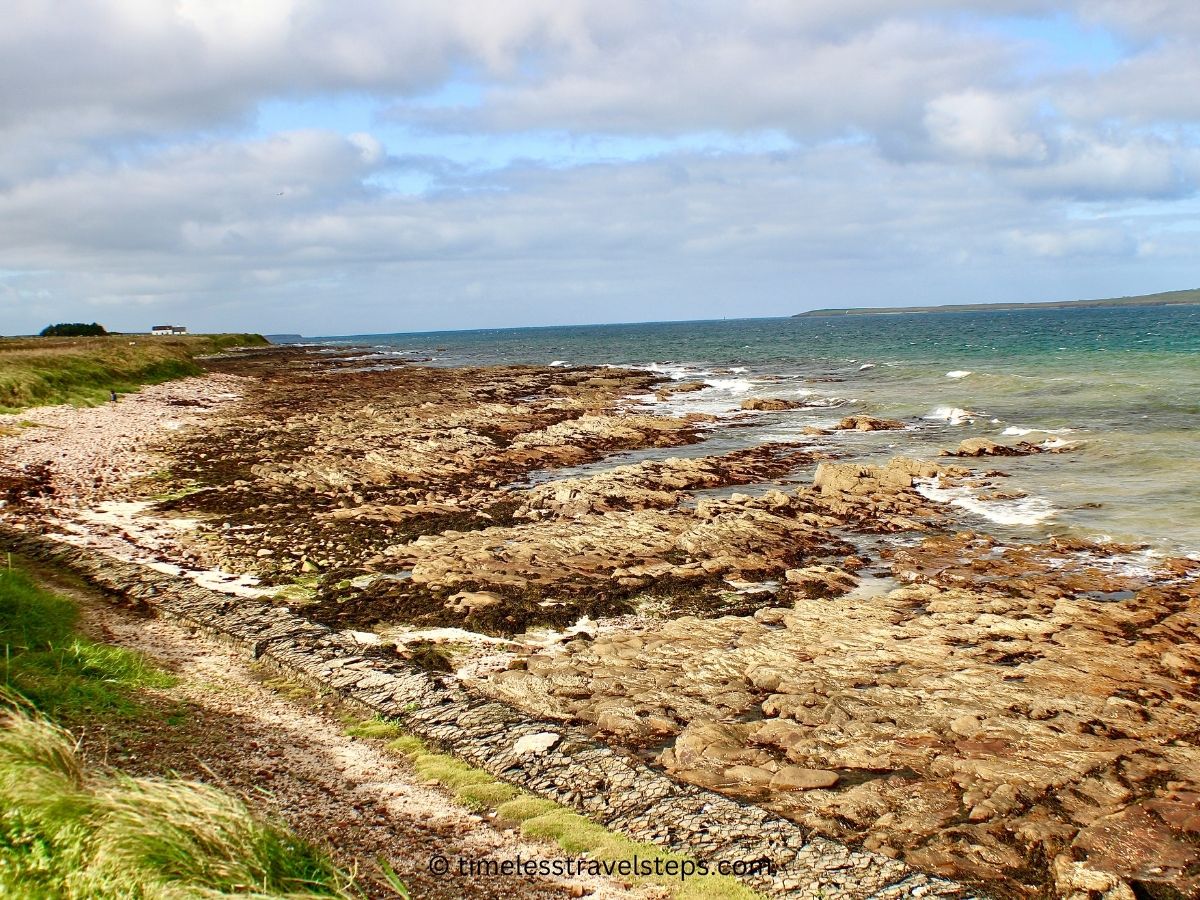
point(375, 166)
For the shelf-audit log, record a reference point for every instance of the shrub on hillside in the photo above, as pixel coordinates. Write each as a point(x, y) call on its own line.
point(73, 329)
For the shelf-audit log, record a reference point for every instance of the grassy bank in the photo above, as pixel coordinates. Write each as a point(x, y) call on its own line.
point(73, 830)
point(82, 371)
point(46, 665)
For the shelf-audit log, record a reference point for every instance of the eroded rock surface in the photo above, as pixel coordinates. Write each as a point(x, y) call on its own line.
point(1006, 705)
point(791, 628)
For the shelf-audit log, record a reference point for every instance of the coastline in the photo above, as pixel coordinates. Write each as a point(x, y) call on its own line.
point(745, 621)
point(1189, 297)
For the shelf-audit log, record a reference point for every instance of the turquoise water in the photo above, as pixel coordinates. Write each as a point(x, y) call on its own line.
point(1124, 383)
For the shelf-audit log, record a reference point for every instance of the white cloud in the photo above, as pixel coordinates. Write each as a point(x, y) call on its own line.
point(936, 144)
point(985, 127)
point(1077, 241)
point(1096, 167)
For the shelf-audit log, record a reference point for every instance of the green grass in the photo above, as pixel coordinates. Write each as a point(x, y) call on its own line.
point(544, 819)
point(68, 832)
point(82, 371)
point(45, 663)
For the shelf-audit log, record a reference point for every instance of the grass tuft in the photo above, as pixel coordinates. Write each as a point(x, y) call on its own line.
point(66, 832)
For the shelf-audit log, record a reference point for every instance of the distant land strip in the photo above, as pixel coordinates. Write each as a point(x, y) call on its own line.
point(1167, 298)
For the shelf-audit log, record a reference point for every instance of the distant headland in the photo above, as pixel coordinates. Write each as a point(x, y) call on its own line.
point(1167, 298)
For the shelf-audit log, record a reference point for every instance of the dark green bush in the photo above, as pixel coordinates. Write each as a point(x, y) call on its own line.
point(73, 329)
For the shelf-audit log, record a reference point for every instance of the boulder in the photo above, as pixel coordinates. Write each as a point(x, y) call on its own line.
point(795, 778)
point(853, 478)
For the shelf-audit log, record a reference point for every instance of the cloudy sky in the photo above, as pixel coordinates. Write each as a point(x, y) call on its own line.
point(402, 165)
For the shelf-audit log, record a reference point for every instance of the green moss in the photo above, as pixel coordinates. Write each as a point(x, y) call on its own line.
point(448, 771)
point(178, 494)
point(572, 831)
point(375, 728)
point(486, 796)
point(525, 807)
point(407, 745)
point(715, 887)
point(303, 589)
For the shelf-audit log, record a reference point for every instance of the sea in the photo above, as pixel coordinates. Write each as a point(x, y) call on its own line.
point(1119, 387)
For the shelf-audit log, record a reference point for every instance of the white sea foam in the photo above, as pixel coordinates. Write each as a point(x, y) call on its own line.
point(866, 366)
point(958, 373)
point(1057, 444)
point(1020, 431)
point(559, 364)
point(951, 415)
point(829, 402)
point(676, 371)
point(730, 385)
point(1023, 511)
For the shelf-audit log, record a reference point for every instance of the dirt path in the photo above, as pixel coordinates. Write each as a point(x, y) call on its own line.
point(222, 723)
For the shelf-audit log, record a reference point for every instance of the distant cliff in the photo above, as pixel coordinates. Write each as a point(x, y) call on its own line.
point(1168, 298)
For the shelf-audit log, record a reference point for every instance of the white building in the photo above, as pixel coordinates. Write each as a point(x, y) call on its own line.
point(168, 329)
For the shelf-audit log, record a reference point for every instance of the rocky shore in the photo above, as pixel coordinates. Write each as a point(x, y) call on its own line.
point(779, 624)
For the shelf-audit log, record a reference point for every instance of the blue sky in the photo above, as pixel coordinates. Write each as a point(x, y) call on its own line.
point(378, 166)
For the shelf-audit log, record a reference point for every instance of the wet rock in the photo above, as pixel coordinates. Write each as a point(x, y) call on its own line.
point(868, 423)
point(770, 404)
point(683, 387)
point(1152, 844)
point(989, 698)
point(659, 484)
point(821, 581)
point(981, 446)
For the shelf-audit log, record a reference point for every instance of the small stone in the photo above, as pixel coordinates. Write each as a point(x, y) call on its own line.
point(966, 726)
point(795, 778)
point(536, 743)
